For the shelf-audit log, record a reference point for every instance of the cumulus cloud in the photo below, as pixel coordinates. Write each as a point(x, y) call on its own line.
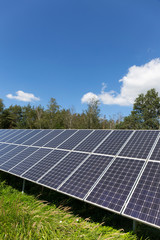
point(139, 79)
point(89, 97)
point(22, 96)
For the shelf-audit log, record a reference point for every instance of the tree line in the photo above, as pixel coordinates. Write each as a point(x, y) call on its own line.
point(145, 115)
point(53, 117)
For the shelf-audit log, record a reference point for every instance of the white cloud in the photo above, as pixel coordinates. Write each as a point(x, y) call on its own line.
point(139, 79)
point(89, 97)
point(22, 96)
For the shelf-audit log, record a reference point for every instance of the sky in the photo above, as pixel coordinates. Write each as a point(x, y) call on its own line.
point(76, 51)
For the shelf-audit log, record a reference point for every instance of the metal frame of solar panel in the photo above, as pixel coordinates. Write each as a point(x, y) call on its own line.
point(118, 170)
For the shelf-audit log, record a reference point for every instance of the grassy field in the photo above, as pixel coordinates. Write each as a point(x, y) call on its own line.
point(25, 216)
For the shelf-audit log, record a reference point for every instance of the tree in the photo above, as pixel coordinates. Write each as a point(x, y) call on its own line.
point(1, 111)
point(145, 114)
point(93, 114)
point(53, 114)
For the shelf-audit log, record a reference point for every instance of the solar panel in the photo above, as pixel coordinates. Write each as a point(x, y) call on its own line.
point(18, 158)
point(29, 161)
point(75, 139)
point(113, 143)
point(30, 134)
point(4, 133)
point(6, 149)
point(92, 141)
point(59, 173)
point(156, 152)
point(113, 188)
point(114, 169)
point(140, 144)
point(83, 179)
point(2, 146)
point(60, 139)
point(14, 138)
point(44, 165)
point(45, 139)
point(145, 202)
point(11, 153)
point(36, 137)
point(12, 133)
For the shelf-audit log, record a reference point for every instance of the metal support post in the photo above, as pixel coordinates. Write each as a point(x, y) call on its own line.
point(24, 181)
point(134, 226)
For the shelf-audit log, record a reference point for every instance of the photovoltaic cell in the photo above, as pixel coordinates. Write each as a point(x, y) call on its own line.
point(14, 138)
point(156, 153)
point(48, 138)
point(59, 173)
point(75, 139)
point(83, 179)
point(92, 141)
point(114, 187)
point(18, 158)
point(44, 165)
point(26, 137)
point(59, 139)
point(145, 201)
point(140, 144)
point(114, 142)
point(11, 154)
point(29, 161)
point(38, 136)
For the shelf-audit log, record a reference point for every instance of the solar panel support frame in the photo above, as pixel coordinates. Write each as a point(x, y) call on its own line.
point(134, 226)
point(23, 186)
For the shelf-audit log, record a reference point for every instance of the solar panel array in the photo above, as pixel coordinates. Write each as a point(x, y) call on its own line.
point(118, 170)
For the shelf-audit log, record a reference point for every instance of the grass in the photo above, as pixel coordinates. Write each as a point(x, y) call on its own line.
point(52, 215)
point(24, 217)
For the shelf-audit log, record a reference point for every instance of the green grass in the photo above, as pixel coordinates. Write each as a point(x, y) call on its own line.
point(23, 216)
point(45, 214)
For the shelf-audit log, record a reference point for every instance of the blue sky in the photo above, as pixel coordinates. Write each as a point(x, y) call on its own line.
point(74, 50)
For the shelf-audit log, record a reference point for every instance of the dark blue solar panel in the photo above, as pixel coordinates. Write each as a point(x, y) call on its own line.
point(145, 201)
point(140, 144)
point(48, 138)
point(83, 179)
point(30, 134)
point(37, 137)
point(10, 154)
point(4, 132)
point(92, 141)
point(156, 153)
point(59, 173)
point(2, 146)
point(30, 161)
point(59, 139)
point(114, 142)
point(6, 149)
point(18, 158)
point(44, 165)
point(75, 139)
point(13, 133)
point(114, 187)
point(14, 138)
